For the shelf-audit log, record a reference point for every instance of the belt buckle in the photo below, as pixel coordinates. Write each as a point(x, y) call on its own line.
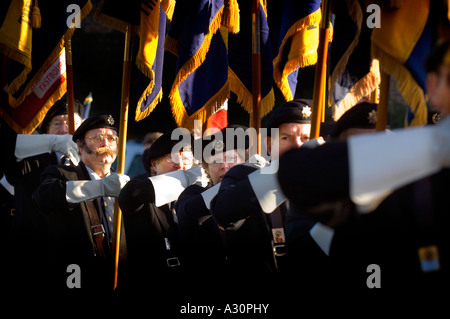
point(279, 250)
point(99, 232)
point(173, 262)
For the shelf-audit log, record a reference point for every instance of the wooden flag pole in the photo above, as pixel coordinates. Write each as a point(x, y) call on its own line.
point(321, 71)
point(69, 74)
point(256, 71)
point(382, 107)
point(122, 146)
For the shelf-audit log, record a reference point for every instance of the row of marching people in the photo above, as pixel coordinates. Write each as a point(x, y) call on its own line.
point(362, 212)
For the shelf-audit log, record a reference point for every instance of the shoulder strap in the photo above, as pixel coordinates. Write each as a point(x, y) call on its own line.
point(97, 229)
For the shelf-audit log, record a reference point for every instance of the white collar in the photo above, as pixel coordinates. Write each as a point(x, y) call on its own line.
point(93, 174)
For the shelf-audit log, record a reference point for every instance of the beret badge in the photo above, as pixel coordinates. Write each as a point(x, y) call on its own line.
point(110, 120)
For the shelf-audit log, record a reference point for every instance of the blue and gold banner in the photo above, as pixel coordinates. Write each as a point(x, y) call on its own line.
point(201, 84)
point(294, 27)
point(402, 51)
point(354, 74)
point(148, 20)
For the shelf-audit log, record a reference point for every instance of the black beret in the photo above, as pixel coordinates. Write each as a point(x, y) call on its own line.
point(60, 108)
point(102, 120)
point(164, 144)
point(220, 142)
point(295, 111)
point(362, 115)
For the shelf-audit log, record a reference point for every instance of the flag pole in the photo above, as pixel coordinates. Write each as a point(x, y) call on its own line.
point(122, 145)
point(256, 71)
point(382, 107)
point(69, 74)
point(321, 71)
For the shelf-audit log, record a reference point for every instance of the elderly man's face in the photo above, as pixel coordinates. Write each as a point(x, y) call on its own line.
point(59, 124)
point(100, 147)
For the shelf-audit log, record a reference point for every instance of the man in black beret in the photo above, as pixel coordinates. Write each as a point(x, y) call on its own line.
point(56, 120)
point(360, 119)
point(258, 241)
point(79, 204)
point(292, 121)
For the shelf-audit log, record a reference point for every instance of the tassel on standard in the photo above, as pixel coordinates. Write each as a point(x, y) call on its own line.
point(36, 16)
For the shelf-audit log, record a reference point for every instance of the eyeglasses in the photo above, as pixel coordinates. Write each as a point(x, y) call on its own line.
point(230, 160)
point(186, 158)
point(100, 138)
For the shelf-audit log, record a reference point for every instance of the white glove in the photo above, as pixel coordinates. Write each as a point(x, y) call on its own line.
point(80, 191)
point(256, 161)
point(170, 185)
point(442, 141)
point(209, 194)
point(31, 145)
point(195, 175)
point(314, 142)
point(383, 162)
point(265, 184)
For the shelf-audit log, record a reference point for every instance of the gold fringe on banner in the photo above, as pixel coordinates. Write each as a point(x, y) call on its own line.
point(142, 115)
point(214, 103)
point(302, 55)
point(17, 83)
point(411, 92)
point(230, 18)
point(356, 14)
point(245, 97)
point(363, 87)
point(178, 109)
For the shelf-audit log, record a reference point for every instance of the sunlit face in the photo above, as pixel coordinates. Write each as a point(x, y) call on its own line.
point(173, 162)
point(99, 148)
point(221, 163)
point(291, 135)
point(59, 124)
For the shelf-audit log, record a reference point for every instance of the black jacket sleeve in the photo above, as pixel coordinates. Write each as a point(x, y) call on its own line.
point(190, 206)
point(312, 176)
point(50, 196)
point(136, 193)
point(235, 200)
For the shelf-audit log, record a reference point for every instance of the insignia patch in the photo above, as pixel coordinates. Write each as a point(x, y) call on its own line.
point(306, 112)
point(372, 117)
point(218, 145)
point(436, 117)
point(429, 258)
point(110, 120)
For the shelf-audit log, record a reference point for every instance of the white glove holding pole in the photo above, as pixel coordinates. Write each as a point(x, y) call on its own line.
point(256, 161)
point(31, 145)
point(265, 184)
point(383, 162)
point(80, 191)
point(170, 185)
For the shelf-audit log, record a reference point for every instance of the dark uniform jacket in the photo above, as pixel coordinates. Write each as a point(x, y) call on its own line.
point(152, 236)
point(70, 235)
point(27, 234)
point(248, 232)
point(202, 246)
point(413, 216)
